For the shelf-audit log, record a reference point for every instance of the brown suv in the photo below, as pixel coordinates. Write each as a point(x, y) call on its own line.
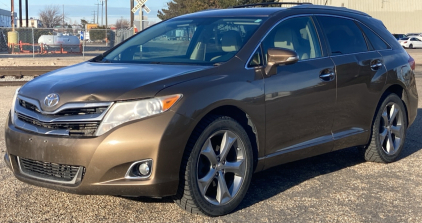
point(193, 106)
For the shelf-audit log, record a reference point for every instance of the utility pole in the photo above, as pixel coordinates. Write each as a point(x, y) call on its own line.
point(94, 16)
point(20, 13)
point(141, 17)
point(98, 12)
point(106, 14)
point(106, 34)
point(63, 19)
point(12, 4)
point(131, 13)
point(26, 12)
point(102, 12)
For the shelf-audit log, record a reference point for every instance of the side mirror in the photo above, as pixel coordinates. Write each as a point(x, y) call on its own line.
point(277, 57)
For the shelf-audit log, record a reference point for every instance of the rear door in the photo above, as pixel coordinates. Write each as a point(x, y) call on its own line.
point(359, 70)
point(300, 97)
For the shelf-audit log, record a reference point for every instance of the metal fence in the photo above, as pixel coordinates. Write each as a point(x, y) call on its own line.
point(44, 42)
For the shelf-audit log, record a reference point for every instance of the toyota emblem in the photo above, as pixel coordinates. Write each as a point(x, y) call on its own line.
point(51, 100)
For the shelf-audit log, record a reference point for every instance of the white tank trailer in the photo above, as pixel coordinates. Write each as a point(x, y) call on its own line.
point(58, 40)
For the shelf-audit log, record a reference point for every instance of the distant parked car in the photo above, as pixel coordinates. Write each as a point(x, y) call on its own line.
point(413, 34)
point(399, 36)
point(411, 42)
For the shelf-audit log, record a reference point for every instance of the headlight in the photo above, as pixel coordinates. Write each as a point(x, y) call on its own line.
point(123, 112)
point(12, 110)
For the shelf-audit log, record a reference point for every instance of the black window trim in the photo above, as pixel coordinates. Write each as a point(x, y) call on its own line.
point(319, 29)
point(328, 44)
point(353, 19)
point(359, 23)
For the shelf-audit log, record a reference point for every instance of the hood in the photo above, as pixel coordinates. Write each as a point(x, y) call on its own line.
point(105, 82)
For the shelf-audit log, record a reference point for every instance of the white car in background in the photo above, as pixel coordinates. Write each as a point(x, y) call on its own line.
point(411, 42)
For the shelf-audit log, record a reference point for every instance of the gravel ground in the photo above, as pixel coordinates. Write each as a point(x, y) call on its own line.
point(335, 187)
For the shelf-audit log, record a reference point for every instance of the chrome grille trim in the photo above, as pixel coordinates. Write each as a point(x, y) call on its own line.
point(51, 172)
point(32, 118)
point(65, 106)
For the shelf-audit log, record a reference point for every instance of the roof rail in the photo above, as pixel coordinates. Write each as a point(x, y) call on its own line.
point(272, 3)
point(342, 9)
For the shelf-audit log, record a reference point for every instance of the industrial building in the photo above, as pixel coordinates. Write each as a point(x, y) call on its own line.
point(32, 23)
point(5, 18)
point(399, 16)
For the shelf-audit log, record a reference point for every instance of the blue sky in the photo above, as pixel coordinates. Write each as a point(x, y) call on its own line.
point(78, 9)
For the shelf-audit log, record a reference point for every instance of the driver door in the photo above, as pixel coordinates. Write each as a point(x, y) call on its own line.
point(300, 98)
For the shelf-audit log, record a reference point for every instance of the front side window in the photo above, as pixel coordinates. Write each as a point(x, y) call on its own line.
point(256, 59)
point(296, 34)
point(201, 41)
point(343, 35)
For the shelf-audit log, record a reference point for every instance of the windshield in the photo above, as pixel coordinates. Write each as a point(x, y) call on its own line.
point(201, 41)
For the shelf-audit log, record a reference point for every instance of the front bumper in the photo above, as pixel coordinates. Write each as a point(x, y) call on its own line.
point(107, 158)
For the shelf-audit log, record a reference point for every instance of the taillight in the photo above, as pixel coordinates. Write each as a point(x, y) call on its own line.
point(412, 63)
point(405, 42)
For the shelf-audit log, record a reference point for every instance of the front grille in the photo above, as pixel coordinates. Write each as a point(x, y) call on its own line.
point(51, 171)
point(66, 112)
point(75, 128)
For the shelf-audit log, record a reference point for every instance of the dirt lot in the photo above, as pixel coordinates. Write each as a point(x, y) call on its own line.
point(335, 187)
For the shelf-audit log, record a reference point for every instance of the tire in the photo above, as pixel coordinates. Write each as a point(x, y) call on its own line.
point(209, 185)
point(411, 46)
point(388, 131)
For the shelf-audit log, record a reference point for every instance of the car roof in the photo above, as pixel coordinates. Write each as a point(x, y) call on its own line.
point(249, 11)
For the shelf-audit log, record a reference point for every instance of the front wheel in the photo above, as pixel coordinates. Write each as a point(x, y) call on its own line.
point(217, 167)
point(388, 131)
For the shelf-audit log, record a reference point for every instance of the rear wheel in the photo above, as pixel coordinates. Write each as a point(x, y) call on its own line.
point(217, 167)
point(388, 131)
point(411, 46)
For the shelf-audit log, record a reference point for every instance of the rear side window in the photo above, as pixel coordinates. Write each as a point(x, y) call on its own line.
point(375, 40)
point(343, 35)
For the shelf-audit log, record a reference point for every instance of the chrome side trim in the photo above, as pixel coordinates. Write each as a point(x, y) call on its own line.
point(299, 146)
point(128, 172)
point(65, 106)
point(75, 180)
point(347, 133)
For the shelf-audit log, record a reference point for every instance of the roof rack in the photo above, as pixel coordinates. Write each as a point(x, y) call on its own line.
point(272, 3)
point(343, 9)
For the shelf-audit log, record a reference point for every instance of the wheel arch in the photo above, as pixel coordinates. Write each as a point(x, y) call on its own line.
point(243, 119)
point(399, 91)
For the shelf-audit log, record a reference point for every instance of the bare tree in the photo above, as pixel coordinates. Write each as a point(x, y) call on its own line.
point(51, 16)
point(122, 24)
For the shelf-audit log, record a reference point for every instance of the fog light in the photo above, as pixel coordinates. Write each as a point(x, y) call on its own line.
point(144, 169)
point(139, 170)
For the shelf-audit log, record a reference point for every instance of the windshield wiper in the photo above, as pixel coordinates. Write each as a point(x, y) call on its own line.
point(218, 64)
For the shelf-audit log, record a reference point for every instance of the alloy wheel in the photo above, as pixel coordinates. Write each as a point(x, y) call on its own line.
point(221, 167)
point(391, 129)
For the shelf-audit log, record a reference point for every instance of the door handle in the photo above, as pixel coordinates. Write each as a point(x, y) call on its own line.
point(327, 75)
point(376, 64)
